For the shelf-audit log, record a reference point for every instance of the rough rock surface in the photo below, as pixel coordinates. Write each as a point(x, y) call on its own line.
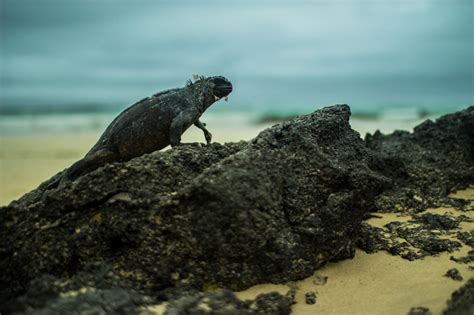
point(425, 166)
point(428, 164)
point(419, 311)
point(462, 300)
point(454, 274)
point(225, 302)
point(44, 298)
point(310, 298)
point(466, 259)
point(232, 215)
point(424, 235)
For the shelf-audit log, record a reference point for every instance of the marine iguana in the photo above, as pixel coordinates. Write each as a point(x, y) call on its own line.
point(151, 124)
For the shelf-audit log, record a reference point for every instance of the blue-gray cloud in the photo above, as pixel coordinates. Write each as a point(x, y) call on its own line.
point(283, 53)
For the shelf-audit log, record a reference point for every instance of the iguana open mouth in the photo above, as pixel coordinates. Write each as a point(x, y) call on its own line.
point(218, 98)
point(222, 87)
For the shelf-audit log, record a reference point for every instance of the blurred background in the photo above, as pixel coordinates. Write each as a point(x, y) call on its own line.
point(69, 67)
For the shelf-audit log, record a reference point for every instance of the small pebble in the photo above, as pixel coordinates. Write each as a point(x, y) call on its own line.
point(419, 311)
point(310, 297)
point(454, 274)
point(320, 280)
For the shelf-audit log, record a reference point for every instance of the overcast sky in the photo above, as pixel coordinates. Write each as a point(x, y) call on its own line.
point(285, 53)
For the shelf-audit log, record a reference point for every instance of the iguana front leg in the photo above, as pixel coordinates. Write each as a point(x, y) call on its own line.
point(207, 134)
point(179, 125)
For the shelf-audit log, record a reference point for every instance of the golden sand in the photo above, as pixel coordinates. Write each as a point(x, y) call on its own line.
point(27, 161)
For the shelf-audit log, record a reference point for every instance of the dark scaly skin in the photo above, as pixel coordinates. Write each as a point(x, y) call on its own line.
point(151, 124)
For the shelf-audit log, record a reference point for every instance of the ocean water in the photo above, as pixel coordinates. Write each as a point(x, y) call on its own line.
point(96, 122)
point(60, 123)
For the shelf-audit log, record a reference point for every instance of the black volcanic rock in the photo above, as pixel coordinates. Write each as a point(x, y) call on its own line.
point(462, 300)
point(233, 215)
point(310, 297)
point(43, 297)
point(454, 274)
point(225, 302)
point(425, 166)
point(419, 311)
point(428, 164)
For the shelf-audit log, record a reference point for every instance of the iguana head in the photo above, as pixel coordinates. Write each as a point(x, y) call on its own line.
point(212, 89)
point(221, 87)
